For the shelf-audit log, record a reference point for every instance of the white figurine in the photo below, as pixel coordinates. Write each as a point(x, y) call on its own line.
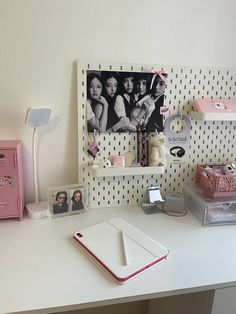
point(230, 169)
point(157, 150)
point(100, 162)
point(97, 163)
point(106, 163)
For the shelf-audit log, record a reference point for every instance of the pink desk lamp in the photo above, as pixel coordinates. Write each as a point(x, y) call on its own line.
point(35, 118)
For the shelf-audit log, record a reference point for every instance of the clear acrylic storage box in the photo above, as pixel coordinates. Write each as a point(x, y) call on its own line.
point(210, 210)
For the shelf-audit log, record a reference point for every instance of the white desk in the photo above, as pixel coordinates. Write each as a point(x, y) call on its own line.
point(42, 268)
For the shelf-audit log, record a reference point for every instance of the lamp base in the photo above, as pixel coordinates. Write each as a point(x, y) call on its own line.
point(38, 210)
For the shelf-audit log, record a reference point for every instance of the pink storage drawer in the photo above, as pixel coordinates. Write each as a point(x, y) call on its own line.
point(214, 182)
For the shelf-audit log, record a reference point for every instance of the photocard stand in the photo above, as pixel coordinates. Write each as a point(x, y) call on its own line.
point(68, 200)
point(153, 201)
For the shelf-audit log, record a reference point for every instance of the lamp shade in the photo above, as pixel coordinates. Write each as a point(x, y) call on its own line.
point(37, 117)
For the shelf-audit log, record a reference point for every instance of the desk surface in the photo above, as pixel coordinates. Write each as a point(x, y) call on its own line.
point(42, 268)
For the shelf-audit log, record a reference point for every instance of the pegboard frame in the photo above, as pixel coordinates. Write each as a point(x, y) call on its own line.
point(211, 141)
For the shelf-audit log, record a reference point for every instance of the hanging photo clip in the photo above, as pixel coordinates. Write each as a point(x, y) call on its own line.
point(93, 148)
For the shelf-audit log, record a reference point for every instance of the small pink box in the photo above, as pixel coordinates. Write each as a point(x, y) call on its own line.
point(118, 161)
point(215, 105)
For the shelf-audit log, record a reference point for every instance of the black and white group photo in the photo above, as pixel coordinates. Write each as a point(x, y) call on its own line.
point(123, 101)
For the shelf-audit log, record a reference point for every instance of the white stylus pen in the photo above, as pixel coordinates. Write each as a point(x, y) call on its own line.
point(124, 248)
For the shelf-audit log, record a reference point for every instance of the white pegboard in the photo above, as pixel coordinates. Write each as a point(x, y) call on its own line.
point(211, 141)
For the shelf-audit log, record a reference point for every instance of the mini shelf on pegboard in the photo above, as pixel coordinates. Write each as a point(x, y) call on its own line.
point(127, 171)
point(212, 116)
point(214, 109)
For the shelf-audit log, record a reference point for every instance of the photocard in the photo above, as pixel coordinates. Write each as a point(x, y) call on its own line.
point(68, 200)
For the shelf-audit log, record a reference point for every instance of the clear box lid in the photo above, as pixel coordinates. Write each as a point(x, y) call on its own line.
point(205, 199)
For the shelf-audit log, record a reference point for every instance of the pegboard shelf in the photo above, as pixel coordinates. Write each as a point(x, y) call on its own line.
point(211, 116)
point(127, 171)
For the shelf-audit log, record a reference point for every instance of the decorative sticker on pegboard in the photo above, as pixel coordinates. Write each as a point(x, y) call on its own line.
point(177, 131)
point(7, 181)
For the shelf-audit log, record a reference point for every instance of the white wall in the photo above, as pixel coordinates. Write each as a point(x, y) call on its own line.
point(40, 41)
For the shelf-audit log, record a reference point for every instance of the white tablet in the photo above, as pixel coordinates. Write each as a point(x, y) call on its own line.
point(121, 249)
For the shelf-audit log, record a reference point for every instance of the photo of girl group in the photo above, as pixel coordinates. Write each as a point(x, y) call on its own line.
point(122, 101)
point(67, 200)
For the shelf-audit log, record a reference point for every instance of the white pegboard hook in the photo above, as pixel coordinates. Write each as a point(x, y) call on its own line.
point(180, 114)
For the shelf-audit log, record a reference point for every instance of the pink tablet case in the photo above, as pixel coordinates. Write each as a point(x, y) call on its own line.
point(103, 243)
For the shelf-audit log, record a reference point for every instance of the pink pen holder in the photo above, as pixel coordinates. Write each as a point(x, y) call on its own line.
point(118, 161)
